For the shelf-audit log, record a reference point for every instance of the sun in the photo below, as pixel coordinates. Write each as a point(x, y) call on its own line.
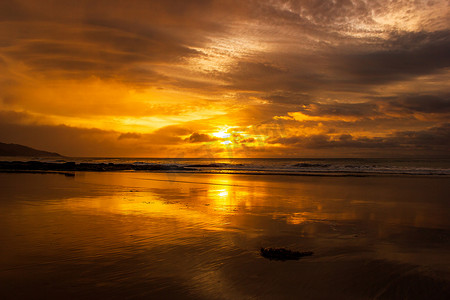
point(222, 134)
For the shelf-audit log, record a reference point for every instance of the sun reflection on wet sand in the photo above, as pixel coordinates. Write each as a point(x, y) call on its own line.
point(198, 235)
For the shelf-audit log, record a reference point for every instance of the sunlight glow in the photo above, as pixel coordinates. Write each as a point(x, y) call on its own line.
point(221, 134)
point(223, 193)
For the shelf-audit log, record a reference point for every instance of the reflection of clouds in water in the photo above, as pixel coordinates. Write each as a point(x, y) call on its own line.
point(294, 199)
point(201, 233)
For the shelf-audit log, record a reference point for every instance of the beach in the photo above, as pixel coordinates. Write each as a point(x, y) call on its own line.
point(163, 235)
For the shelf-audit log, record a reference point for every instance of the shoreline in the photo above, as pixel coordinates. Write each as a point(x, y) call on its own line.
point(70, 169)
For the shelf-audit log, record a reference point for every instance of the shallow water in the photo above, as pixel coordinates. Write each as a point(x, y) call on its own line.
point(138, 235)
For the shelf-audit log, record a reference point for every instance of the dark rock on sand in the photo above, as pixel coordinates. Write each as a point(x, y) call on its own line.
point(307, 165)
point(283, 254)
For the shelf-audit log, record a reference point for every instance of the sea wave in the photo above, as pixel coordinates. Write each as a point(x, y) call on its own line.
point(330, 167)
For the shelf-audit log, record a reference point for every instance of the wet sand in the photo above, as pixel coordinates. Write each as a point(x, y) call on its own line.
point(131, 235)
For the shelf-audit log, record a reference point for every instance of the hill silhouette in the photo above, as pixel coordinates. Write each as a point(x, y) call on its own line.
point(20, 150)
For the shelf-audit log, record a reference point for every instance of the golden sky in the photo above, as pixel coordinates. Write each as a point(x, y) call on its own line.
point(211, 78)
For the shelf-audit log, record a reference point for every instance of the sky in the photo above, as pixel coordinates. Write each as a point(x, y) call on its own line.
point(226, 78)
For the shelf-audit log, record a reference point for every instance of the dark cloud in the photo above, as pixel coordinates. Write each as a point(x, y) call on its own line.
point(330, 12)
point(200, 138)
point(347, 67)
point(107, 39)
point(103, 53)
point(249, 140)
point(287, 98)
point(405, 55)
point(12, 10)
point(14, 117)
point(254, 76)
point(174, 130)
point(351, 68)
point(298, 73)
point(423, 104)
point(435, 140)
point(129, 135)
point(341, 109)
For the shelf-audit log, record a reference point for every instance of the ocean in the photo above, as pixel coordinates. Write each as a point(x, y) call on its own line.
point(288, 166)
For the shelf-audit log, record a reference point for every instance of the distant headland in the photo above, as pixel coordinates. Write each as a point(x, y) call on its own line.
point(20, 150)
